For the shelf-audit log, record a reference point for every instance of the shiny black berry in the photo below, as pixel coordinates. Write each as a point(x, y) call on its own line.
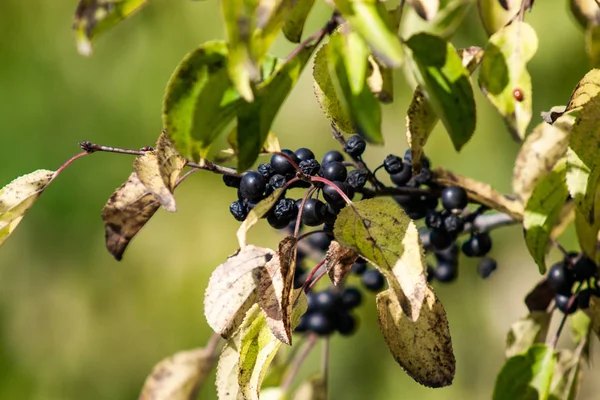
point(393, 164)
point(319, 323)
point(331, 195)
point(449, 255)
point(252, 186)
point(454, 198)
point(351, 298)
point(584, 298)
point(309, 167)
point(562, 303)
point(446, 272)
point(232, 181)
point(330, 214)
point(277, 222)
point(304, 154)
point(266, 170)
point(440, 239)
point(334, 171)
point(345, 323)
point(356, 179)
point(303, 325)
point(326, 301)
point(320, 240)
point(359, 267)
point(355, 146)
point(332, 155)
point(486, 267)
point(313, 212)
point(423, 177)
point(478, 245)
point(560, 278)
point(373, 280)
point(401, 178)
point(584, 268)
point(239, 210)
point(281, 165)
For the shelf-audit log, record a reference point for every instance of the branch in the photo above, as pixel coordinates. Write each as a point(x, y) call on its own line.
point(316, 38)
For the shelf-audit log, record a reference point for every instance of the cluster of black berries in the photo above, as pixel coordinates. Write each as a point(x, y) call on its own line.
point(330, 311)
point(444, 226)
point(574, 270)
point(254, 186)
point(371, 278)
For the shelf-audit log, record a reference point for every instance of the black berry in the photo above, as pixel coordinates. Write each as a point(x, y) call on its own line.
point(330, 214)
point(313, 212)
point(425, 163)
point(454, 198)
point(266, 170)
point(584, 298)
point(303, 325)
point(440, 239)
point(309, 167)
point(454, 224)
point(252, 186)
point(356, 179)
point(423, 177)
point(320, 240)
point(331, 195)
point(355, 146)
point(560, 278)
point(401, 178)
point(334, 171)
point(359, 267)
point(232, 181)
point(584, 268)
point(345, 323)
point(486, 267)
point(277, 222)
point(446, 272)
point(326, 301)
point(285, 209)
point(393, 164)
point(332, 155)
point(277, 181)
point(319, 323)
point(351, 298)
point(239, 210)
point(478, 245)
point(562, 303)
point(434, 220)
point(281, 165)
point(373, 280)
point(304, 154)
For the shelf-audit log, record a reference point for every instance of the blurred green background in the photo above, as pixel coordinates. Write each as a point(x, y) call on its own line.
point(76, 324)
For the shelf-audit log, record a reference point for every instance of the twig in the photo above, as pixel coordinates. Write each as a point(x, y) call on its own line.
point(297, 363)
point(211, 347)
point(325, 364)
point(484, 223)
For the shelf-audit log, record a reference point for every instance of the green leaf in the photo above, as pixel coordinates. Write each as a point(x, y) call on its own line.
point(444, 24)
point(421, 117)
point(539, 153)
point(526, 332)
point(504, 71)
point(93, 17)
point(583, 169)
point(200, 100)
point(369, 19)
point(294, 24)
point(542, 211)
point(411, 318)
point(494, 16)
point(426, 9)
point(446, 84)
point(18, 196)
point(526, 376)
point(232, 288)
point(258, 347)
point(594, 313)
point(347, 56)
point(580, 326)
point(255, 119)
point(592, 44)
point(326, 94)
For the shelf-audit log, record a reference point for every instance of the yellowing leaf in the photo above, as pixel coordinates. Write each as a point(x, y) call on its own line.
point(480, 192)
point(294, 24)
point(93, 17)
point(422, 346)
point(504, 78)
point(539, 154)
point(125, 214)
point(446, 21)
point(18, 196)
point(543, 210)
point(525, 332)
point(587, 88)
point(338, 261)
point(380, 80)
point(179, 377)
point(170, 163)
point(567, 375)
point(259, 210)
point(232, 287)
point(276, 290)
point(594, 313)
point(495, 15)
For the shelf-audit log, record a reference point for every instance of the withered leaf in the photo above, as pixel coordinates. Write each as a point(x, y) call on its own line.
point(170, 163)
point(178, 377)
point(594, 313)
point(276, 290)
point(232, 288)
point(338, 261)
point(146, 169)
point(423, 346)
point(525, 332)
point(259, 211)
point(125, 214)
point(480, 192)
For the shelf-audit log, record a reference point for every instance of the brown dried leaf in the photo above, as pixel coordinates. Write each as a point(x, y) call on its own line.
point(259, 211)
point(146, 169)
point(170, 163)
point(555, 113)
point(471, 57)
point(526, 332)
point(232, 287)
point(380, 80)
point(423, 346)
point(539, 154)
point(338, 261)
point(480, 192)
point(276, 290)
point(179, 377)
point(125, 214)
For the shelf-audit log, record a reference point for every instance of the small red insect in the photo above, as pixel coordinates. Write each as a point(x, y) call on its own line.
point(518, 94)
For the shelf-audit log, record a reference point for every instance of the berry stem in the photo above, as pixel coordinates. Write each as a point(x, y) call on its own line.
point(325, 363)
point(329, 183)
point(307, 284)
point(564, 318)
point(295, 365)
point(68, 162)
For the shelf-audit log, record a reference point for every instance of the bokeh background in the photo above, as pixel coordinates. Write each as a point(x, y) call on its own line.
point(76, 324)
